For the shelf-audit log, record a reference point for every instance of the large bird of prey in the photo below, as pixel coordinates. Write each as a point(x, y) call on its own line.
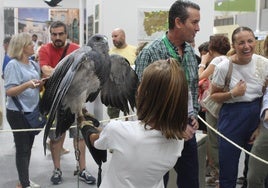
point(52, 3)
point(80, 77)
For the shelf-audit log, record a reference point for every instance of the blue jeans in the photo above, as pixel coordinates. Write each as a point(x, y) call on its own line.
point(187, 166)
point(23, 143)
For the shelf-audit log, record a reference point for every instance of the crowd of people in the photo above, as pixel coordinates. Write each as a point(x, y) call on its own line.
point(168, 69)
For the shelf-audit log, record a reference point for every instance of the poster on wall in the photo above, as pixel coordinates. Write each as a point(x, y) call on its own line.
point(33, 21)
point(71, 18)
point(9, 22)
point(152, 23)
point(96, 20)
point(37, 21)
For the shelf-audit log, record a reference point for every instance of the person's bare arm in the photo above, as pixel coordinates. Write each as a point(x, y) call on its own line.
point(93, 137)
point(207, 72)
point(47, 70)
point(204, 70)
point(218, 95)
point(16, 90)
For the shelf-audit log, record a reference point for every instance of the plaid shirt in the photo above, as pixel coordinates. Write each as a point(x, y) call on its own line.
point(157, 50)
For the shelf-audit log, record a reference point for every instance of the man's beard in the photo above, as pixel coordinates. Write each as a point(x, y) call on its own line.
point(58, 43)
point(118, 44)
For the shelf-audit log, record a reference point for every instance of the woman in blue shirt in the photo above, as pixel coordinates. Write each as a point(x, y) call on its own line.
point(22, 79)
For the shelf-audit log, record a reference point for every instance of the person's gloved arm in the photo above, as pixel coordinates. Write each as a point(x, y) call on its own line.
point(89, 132)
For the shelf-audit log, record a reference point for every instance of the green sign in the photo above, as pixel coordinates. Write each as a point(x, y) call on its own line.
point(235, 5)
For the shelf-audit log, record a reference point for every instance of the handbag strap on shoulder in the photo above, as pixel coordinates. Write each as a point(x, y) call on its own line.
point(17, 103)
point(65, 51)
point(228, 76)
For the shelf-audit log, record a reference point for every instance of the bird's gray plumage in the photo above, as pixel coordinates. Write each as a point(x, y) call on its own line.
point(52, 3)
point(79, 78)
point(109, 93)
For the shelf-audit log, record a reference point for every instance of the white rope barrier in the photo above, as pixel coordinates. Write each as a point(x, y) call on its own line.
point(231, 142)
point(133, 115)
point(53, 128)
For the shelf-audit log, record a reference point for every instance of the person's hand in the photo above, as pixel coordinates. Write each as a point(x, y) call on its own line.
point(88, 129)
point(239, 89)
point(189, 132)
point(193, 122)
point(34, 83)
point(254, 135)
point(44, 79)
point(205, 59)
point(265, 117)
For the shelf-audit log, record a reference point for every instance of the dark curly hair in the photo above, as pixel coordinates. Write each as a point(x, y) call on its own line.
point(220, 44)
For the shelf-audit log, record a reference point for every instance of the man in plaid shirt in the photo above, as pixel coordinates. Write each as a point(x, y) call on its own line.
point(183, 20)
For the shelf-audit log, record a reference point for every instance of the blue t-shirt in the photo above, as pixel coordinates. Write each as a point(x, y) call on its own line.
point(17, 73)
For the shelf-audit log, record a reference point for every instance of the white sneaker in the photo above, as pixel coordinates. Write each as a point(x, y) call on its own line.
point(34, 185)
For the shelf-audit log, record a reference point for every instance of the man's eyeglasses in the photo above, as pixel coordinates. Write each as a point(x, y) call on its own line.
point(56, 34)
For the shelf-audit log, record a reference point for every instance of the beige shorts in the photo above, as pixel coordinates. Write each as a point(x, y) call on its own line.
point(72, 133)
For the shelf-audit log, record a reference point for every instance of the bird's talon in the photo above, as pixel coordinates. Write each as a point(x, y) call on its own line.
point(86, 123)
point(80, 119)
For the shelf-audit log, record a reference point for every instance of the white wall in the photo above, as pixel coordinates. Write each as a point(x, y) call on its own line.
point(123, 13)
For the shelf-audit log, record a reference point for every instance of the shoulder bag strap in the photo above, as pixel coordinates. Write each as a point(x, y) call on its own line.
point(228, 76)
point(65, 51)
point(18, 104)
point(35, 67)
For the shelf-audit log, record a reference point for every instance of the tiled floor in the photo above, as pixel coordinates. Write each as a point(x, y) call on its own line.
point(41, 166)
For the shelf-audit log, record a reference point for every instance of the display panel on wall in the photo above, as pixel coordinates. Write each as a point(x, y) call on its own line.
point(152, 23)
point(37, 21)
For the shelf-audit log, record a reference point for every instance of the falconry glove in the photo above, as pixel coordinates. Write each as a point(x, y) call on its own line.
point(87, 128)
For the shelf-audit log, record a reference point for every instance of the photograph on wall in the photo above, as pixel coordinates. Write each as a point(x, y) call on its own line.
point(97, 12)
point(152, 23)
point(71, 18)
point(33, 21)
point(9, 22)
point(90, 25)
point(37, 21)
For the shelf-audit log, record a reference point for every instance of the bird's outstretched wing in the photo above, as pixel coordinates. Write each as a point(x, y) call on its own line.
point(80, 76)
point(68, 88)
point(76, 78)
point(52, 84)
point(120, 89)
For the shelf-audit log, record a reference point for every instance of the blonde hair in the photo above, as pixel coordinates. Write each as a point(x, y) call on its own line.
point(16, 45)
point(162, 98)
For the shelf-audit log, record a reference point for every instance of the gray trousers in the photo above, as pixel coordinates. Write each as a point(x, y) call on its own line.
point(213, 146)
point(257, 170)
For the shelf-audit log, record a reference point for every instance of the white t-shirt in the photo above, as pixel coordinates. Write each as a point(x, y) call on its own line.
point(254, 74)
point(215, 61)
point(140, 157)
